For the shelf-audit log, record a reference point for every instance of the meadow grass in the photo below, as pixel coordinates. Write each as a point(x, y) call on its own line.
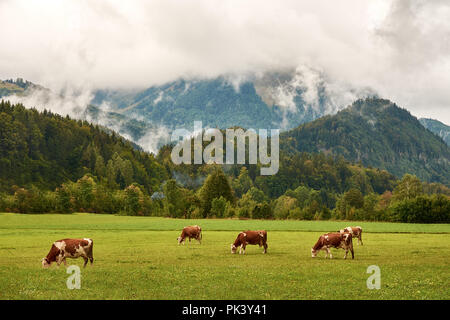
point(138, 258)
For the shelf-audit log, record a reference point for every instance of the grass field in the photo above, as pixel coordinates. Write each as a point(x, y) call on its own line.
point(138, 258)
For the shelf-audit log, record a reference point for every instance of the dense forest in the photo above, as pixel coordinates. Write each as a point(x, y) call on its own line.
point(46, 150)
point(50, 163)
point(377, 133)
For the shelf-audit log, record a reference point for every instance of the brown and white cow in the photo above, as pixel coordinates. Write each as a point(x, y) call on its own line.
point(69, 248)
point(258, 237)
point(336, 240)
point(190, 232)
point(356, 232)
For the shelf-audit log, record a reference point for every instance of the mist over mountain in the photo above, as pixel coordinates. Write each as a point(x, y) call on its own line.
point(76, 104)
point(307, 106)
point(271, 100)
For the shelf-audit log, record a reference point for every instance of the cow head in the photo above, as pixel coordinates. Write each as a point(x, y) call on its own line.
point(233, 248)
point(45, 263)
point(314, 253)
point(180, 240)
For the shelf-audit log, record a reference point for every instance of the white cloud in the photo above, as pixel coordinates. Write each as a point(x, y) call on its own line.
point(398, 48)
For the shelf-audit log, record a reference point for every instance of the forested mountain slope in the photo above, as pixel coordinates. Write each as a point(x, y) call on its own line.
point(46, 149)
point(379, 134)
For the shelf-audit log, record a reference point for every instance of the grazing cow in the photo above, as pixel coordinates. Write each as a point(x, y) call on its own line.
point(336, 240)
point(356, 232)
point(258, 237)
point(190, 232)
point(69, 248)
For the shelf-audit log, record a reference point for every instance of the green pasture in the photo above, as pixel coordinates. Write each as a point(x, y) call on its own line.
point(139, 258)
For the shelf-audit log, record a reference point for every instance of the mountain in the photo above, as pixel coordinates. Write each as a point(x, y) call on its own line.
point(273, 100)
point(46, 150)
point(139, 130)
point(437, 128)
point(373, 131)
point(280, 100)
point(377, 133)
point(18, 87)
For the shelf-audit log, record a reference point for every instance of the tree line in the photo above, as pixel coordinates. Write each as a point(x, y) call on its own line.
point(50, 163)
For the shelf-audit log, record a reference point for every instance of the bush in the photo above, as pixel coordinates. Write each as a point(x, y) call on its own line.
point(244, 213)
point(262, 211)
point(422, 209)
point(218, 207)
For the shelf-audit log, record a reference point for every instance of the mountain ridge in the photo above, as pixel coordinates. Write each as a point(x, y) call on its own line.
point(378, 133)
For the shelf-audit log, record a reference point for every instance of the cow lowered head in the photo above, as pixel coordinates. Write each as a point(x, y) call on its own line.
point(189, 232)
point(250, 237)
point(69, 248)
point(335, 240)
point(45, 263)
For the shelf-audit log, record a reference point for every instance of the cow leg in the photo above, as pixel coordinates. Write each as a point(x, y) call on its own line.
point(360, 239)
point(329, 252)
point(346, 252)
point(265, 248)
point(240, 249)
point(59, 259)
point(244, 248)
point(85, 261)
point(90, 256)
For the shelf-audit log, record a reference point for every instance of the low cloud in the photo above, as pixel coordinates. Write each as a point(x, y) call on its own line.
point(397, 48)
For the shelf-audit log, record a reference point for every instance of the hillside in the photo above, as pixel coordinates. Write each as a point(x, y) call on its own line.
point(379, 134)
point(46, 149)
point(273, 100)
point(17, 87)
point(437, 128)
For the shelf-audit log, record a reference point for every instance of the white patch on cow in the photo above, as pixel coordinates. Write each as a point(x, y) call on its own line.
point(79, 251)
point(61, 245)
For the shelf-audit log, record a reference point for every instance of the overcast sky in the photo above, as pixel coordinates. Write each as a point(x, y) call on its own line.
point(401, 49)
